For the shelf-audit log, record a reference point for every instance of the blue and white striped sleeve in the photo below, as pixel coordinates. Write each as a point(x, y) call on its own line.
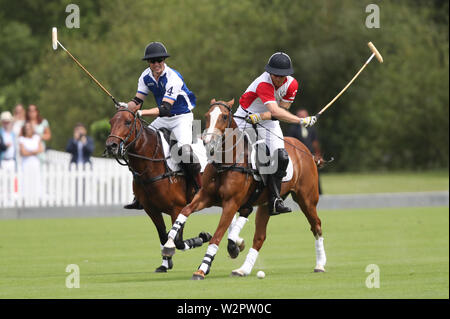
point(142, 88)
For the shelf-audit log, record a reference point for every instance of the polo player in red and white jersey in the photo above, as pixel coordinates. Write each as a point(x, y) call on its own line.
point(265, 102)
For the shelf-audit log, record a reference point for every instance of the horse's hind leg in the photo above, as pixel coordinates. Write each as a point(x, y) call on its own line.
point(190, 243)
point(261, 220)
point(308, 207)
point(158, 220)
point(200, 201)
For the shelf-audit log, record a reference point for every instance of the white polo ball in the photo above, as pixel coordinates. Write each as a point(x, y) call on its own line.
point(260, 274)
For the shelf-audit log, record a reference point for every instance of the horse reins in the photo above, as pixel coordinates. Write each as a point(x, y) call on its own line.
point(231, 115)
point(123, 147)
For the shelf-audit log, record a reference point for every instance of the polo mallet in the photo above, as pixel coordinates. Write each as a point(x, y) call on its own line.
point(376, 54)
point(55, 44)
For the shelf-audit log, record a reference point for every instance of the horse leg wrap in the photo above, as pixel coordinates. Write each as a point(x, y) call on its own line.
point(249, 261)
point(167, 262)
point(237, 227)
point(192, 243)
point(321, 258)
point(211, 252)
point(179, 222)
point(230, 228)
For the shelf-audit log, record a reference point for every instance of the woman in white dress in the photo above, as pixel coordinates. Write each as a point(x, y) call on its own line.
point(31, 146)
point(40, 126)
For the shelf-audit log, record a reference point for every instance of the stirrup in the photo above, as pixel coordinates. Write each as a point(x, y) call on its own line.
point(278, 208)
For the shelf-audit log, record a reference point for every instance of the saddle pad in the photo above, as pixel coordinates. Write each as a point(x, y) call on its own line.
point(198, 149)
point(289, 169)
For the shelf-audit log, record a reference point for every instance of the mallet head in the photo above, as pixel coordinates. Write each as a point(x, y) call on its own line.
point(375, 51)
point(54, 38)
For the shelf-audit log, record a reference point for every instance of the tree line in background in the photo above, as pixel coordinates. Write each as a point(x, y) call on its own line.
point(394, 116)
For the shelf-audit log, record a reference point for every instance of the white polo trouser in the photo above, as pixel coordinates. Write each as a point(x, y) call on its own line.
point(180, 125)
point(269, 131)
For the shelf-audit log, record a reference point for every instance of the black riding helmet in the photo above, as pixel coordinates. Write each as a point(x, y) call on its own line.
point(279, 64)
point(155, 50)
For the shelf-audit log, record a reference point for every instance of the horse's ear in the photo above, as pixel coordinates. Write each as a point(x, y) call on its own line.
point(231, 102)
point(213, 101)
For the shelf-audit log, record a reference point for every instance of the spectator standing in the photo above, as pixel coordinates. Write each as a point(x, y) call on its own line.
point(80, 146)
point(19, 119)
point(8, 154)
point(2, 149)
point(40, 126)
point(31, 146)
point(306, 135)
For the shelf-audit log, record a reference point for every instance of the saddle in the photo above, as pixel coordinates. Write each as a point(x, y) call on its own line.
point(257, 166)
point(197, 147)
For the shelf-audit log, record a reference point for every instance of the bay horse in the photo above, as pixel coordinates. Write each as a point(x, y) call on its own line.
point(231, 185)
point(156, 187)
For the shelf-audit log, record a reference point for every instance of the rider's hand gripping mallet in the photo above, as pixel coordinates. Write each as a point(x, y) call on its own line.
point(55, 44)
point(376, 54)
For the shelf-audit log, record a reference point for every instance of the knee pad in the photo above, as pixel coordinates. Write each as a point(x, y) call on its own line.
point(187, 155)
point(189, 160)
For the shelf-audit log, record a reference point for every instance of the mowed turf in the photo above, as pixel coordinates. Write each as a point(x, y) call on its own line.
point(117, 256)
point(384, 182)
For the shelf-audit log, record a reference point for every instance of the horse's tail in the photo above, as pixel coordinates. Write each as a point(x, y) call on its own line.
point(321, 162)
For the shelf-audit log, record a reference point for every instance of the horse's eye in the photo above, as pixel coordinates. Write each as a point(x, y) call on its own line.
point(224, 116)
point(127, 122)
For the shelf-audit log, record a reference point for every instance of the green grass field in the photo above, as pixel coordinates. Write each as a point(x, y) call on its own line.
point(389, 182)
point(117, 257)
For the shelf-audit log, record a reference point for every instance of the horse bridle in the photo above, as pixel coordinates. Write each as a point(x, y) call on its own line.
point(124, 147)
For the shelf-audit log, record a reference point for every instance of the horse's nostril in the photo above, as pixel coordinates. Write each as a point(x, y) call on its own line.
point(111, 146)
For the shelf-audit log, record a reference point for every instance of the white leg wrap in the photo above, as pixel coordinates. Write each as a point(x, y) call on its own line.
point(179, 222)
point(230, 228)
point(249, 262)
point(321, 258)
point(209, 257)
point(237, 227)
point(165, 263)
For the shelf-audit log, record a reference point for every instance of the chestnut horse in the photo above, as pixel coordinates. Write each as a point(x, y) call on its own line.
point(231, 185)
point(156, 187)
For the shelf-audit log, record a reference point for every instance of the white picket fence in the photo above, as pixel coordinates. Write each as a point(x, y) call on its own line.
point(104, 182)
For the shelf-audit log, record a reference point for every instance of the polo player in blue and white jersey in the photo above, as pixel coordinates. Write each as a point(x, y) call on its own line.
point(174, 107)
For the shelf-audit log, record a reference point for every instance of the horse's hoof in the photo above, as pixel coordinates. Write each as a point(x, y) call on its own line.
point(198, 275)
point(161, 269)
point(319, 268)
point(238, 273)
point(205, 236)
point(241, 243)
point(233, 250)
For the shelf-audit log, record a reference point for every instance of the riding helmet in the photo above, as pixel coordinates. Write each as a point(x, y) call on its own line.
point(155, 50)
point(279, 64)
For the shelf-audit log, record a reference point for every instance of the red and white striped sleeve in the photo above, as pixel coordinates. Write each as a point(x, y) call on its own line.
point(291, 92)
point(266, 92)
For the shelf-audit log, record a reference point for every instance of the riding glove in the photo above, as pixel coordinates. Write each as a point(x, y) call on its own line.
point(308, 121)
point(253, 118)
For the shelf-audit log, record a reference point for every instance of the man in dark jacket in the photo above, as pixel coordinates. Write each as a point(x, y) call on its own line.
point(80, 146)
